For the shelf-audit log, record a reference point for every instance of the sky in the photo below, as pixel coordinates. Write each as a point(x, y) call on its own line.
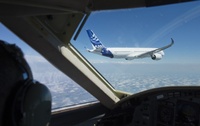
point(147, 27)
point(141, 27)
point(65, 92)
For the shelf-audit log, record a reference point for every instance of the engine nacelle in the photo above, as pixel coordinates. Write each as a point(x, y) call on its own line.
point(156, 56)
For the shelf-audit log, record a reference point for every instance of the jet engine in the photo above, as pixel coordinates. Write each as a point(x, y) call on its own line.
point(156, 56)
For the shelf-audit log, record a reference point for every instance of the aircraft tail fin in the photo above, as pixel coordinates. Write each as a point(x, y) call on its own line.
point(96, 43)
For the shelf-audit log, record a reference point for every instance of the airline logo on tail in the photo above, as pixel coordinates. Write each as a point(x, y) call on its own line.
point(94, 40)
point(126, 53)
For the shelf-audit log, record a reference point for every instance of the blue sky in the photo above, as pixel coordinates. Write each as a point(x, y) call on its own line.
point(10, 37)
point(148, 27)
point(141, 27)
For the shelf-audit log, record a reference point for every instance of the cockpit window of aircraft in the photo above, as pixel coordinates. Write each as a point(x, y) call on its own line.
point(144, 48)
point(65, 92)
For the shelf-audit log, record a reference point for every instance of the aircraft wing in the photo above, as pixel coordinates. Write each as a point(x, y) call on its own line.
point(156, 50)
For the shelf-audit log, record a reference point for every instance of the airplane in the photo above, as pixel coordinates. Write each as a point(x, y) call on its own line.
point(48, 27)
point(125, 53)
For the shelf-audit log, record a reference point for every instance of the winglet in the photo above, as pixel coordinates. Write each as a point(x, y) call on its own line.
point(165, 47)
point(172, 42)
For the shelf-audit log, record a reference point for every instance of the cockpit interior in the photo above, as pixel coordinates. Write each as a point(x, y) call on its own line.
point(88, 89)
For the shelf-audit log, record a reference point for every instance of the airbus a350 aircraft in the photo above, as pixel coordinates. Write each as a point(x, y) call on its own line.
point(126, 53)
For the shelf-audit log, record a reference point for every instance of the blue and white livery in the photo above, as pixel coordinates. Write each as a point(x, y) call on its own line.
point(125, 53)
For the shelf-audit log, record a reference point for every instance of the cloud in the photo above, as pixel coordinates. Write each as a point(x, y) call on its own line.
point(116, 61)
point(135, 83)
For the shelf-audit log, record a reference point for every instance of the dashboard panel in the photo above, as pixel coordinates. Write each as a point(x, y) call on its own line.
point(169, 106)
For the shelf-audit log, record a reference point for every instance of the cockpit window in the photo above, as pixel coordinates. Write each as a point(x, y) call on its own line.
point(65, 92)
point(144, 48)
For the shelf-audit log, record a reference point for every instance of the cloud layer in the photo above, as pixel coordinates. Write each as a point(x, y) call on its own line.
point(131, 77)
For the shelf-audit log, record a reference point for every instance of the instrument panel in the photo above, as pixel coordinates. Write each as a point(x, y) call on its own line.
point(169, 106)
